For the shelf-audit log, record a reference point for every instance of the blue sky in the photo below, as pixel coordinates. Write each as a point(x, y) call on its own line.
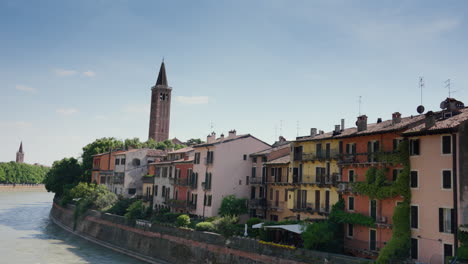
point(74, 71)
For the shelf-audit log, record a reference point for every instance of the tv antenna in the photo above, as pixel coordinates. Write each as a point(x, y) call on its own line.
point(281, 127)
point(449, 87)
point(297, 127)
point(211, 125)
point(360, 102)
point(420, 108)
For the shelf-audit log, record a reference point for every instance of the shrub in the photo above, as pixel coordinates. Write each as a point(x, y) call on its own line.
point(233, 206)
point(253, 232)
point(165, 217)
point(205, 226)
point(135, 211)
point(226, 225)
point(183, 220)
point(318, 235)
point(105, 200)
point(121, 206)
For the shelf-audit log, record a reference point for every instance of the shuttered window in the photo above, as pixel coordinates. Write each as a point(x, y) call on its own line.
point(414, 248)
point(414, 179)
point(447, 179)
point(446, 144)
point(414, 216)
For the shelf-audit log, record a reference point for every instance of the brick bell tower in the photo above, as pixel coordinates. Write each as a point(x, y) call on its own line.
point(160, 107)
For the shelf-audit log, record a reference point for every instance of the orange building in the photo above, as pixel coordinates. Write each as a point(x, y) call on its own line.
point(103, 167)
point(363, 150)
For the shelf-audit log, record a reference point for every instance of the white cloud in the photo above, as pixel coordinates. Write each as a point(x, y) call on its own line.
point(66, 111)
point(89, 73)
point(25, 88)
point(192, 99)
point(137, 109)
point(62, 72)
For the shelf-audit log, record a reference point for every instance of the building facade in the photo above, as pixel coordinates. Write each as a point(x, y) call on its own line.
point(160, 107)
point(221, 168)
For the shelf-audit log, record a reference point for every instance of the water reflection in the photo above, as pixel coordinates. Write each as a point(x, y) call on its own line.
point(28, 236)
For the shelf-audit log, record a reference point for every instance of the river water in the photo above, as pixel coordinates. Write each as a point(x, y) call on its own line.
point(27, 235)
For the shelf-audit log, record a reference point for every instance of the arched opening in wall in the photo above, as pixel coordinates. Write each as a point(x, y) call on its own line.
point(136, 162)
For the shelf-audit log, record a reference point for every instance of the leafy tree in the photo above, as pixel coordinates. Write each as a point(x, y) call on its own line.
point(318, 235)
point(135, 211)
point(133, 143)
point(120, 207)
point(194, 141)
point(231, 205)
point(226, 225)
point(12, 172)
point(98, 146)
point(150, 143)
point(64, 172)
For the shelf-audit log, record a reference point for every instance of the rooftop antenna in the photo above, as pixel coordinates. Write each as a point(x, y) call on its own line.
point(448, 86)
point(211, 125)
point(360, 101)
point(420, 108)
point(276, 131)
point(281, 127)
point(297, 127)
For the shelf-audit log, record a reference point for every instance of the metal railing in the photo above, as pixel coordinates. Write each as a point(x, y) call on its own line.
point(257, 203)
point(324, 155)
point(256, 180)
point(182, 182)
point(206, 186)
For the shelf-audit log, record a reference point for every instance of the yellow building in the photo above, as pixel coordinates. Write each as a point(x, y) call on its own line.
point(277, 185)
point(314, 168)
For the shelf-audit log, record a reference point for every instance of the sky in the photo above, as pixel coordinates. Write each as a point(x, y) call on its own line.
point(75, 71)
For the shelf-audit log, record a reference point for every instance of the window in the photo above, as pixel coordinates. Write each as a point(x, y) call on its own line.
point(285, 195)
point(261, 193)
point(131, 191)
point(246, 180)
point(372, 148)
point(373, 209)
point(156, 190)
point(252, 192)
point(446, 144)
point(163, 191)
point(446, 217)
point(264, 159)
point(351, 148)
point(351, 176)
point(196, 159)
point(351, 203)
point(414, 147)
point(209, 157)
point(122, 161)
point(207, 200)
point(372, 239)
point(350, 230)
point(414, 216)
point(254, 159)
point(245, 157)
point(396, 143)
point(448, 251)
point(446, 179)
point(414, 248)
point(254, 172)
point(414, 179)
point(271, 194)
point(117, 161)
point(395, 173)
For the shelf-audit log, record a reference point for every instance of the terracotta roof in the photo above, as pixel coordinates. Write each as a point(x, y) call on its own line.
point(182, 150)
point(283, 160)
point(441, 124)
point(226, 139)
point(117, 152)
point(269, 150)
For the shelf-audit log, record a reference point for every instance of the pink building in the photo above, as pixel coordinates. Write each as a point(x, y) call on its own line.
point(221, 167)
point(438, 153)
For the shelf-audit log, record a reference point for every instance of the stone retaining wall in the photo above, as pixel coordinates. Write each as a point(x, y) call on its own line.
point(22, 188)
point(165, 244)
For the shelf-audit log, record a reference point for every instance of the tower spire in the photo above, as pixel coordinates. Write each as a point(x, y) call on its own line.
point(20, 154)
point(21, 147)
point(162, 78)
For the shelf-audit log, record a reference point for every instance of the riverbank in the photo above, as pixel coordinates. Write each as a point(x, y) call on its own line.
point(22, 188)
point(164, 244)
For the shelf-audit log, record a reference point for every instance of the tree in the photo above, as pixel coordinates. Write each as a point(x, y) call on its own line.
point(233, 206)
point(98, 146)
point(194, 141)
point(133, 143)
point(12, 172)
point(63, 174)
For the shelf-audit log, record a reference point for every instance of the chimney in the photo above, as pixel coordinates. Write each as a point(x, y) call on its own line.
point(232, 133)
point(321, 132)
point(186, 156)
point(342, 124)
point(222, 136)
point(313, 132)
point(361, 123)
point(210, 138)
point(337, 129)
point(429, 119)
point(281, 139)
point(379, 120)
point(396, 118)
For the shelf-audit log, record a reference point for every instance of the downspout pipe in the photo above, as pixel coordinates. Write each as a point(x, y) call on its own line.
point(455, 191)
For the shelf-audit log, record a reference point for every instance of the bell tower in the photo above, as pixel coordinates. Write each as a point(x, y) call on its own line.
point(20, 154)
point(160, 107)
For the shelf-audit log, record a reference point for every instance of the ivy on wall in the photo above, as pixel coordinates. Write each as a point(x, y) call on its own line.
point(339, 215)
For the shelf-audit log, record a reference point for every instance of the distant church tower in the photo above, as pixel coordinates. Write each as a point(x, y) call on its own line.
point(20, 154)
point(160, 107)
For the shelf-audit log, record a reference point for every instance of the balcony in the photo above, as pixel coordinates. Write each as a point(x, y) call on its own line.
point(321, 156)
point(256, 180)
point(276, 206)
point(367, 158)
point(321, 180)
point(311, 208)
point(147, 198)
point(180, 204)
point(206, 186)
point(148, 179)
point(345, 187)
point(182, 182)
point(257, 203)
point(191, 206)
point(382, 222)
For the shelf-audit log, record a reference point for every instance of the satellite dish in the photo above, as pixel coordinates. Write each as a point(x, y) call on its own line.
point(420, 109)
point(444, 104)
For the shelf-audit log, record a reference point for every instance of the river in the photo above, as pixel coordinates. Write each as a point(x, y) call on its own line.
point(27, 235)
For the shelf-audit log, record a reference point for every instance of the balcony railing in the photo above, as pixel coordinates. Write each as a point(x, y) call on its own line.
point(276, 206)
point(257, 203)
point(367, 157)
point(178, 203)
point(182, 182)
point(333, 154)
point(311, 207)
point(256, 180)
point(332, 179)
point(191, 206)
point(206, 186)
point(148, 179)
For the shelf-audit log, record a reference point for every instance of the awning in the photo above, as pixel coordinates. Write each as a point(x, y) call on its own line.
point(298, 229)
